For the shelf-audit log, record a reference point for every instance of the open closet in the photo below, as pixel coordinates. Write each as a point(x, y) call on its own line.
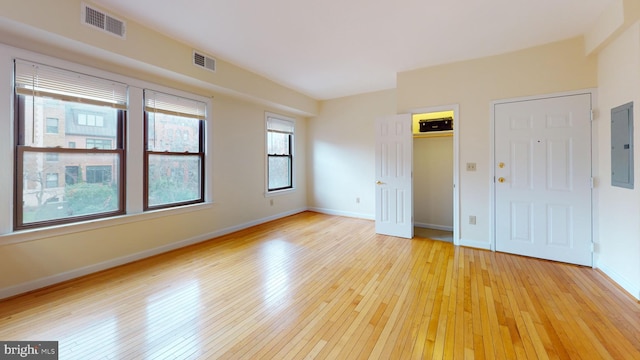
point(433, 174)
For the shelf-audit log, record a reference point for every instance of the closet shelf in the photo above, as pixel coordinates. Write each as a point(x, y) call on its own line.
point(433, 134)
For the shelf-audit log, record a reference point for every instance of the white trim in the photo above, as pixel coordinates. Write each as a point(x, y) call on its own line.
point(627, 285)
point(343, 213)
point(433, 226)
point(72, 274)
point(492, 197)
point(456, 162)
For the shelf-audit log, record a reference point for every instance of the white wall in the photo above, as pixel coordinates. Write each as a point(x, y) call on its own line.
point(433, 182)
point(618, 237)
point(341, 153)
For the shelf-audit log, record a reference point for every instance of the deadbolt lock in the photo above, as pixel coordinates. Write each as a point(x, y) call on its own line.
point(501, 165)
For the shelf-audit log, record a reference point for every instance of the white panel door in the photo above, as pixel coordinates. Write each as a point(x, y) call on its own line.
point(543, 178)
point(394, 166)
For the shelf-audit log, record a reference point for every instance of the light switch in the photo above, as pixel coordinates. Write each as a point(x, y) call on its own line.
point(471, 166)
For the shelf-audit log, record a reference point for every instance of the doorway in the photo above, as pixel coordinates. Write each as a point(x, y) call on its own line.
point(435, 175)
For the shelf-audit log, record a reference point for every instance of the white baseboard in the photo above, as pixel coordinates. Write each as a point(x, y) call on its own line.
point(475, 244)
point(342, 213)
point(433, 226)
point(75, 273)
point(631, 288)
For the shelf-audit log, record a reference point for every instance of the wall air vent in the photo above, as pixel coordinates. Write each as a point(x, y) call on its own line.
point(204, 61)
point(103, 21)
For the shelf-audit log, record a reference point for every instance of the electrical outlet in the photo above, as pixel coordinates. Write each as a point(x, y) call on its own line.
point(472, 219)
point(471, 166)
point(271, 202)
point(357, 200)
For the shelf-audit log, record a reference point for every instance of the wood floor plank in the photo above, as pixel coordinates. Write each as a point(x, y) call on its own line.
point(314, 286)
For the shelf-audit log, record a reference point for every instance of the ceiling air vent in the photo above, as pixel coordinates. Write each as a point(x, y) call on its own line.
point(204, 61)
point(103, 21)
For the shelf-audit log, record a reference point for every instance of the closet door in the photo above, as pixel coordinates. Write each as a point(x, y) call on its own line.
point(394, 165)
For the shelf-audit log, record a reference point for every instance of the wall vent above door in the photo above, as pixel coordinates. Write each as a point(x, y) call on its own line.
point(103, 21)
point(204, 61)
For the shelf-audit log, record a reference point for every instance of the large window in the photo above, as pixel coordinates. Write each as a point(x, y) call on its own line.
point(279, 153)
point(174, 150)
point(47, 130)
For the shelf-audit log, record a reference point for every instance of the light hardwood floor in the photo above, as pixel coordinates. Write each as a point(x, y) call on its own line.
point(326, 287)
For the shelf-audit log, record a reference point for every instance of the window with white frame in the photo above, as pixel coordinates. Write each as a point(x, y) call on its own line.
point(280, 133)
point(46, 99)
point(174, 150)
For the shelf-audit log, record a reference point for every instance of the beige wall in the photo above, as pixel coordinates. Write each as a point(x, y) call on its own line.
point(474, 84)
point(618, 210)
point(240, 99)
point(341, 153)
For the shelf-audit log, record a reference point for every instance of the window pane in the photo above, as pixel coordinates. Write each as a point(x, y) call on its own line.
point(45, 197)
point(172, 133)
point(278, 143)
point(51, 123)
point(279, 172)
point(173, 179)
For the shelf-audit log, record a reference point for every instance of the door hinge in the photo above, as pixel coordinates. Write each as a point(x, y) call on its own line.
point(593, 183)
point(593, 247)
point(592, 114)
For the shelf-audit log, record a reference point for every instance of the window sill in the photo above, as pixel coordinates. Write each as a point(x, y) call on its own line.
point(279, 192)
point(58, 230)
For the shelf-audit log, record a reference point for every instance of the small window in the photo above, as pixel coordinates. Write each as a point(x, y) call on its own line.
point(99, 174)
point(90, 119)
point(52, 180)
point(280, 132)
point(174, 150)
point(52, 126)
point(51, 157)
point(99, 144)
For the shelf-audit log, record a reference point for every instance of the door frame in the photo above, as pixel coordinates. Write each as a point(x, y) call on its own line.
point(456, 161)
point(594, 164)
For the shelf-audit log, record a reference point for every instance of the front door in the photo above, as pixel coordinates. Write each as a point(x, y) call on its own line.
point(394, 166)
point(543, 178)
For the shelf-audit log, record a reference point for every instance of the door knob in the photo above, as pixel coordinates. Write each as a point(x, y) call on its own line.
point(501, 179)
point(379, 182)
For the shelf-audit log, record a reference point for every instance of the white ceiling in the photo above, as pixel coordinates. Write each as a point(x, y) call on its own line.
point(334, 48)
